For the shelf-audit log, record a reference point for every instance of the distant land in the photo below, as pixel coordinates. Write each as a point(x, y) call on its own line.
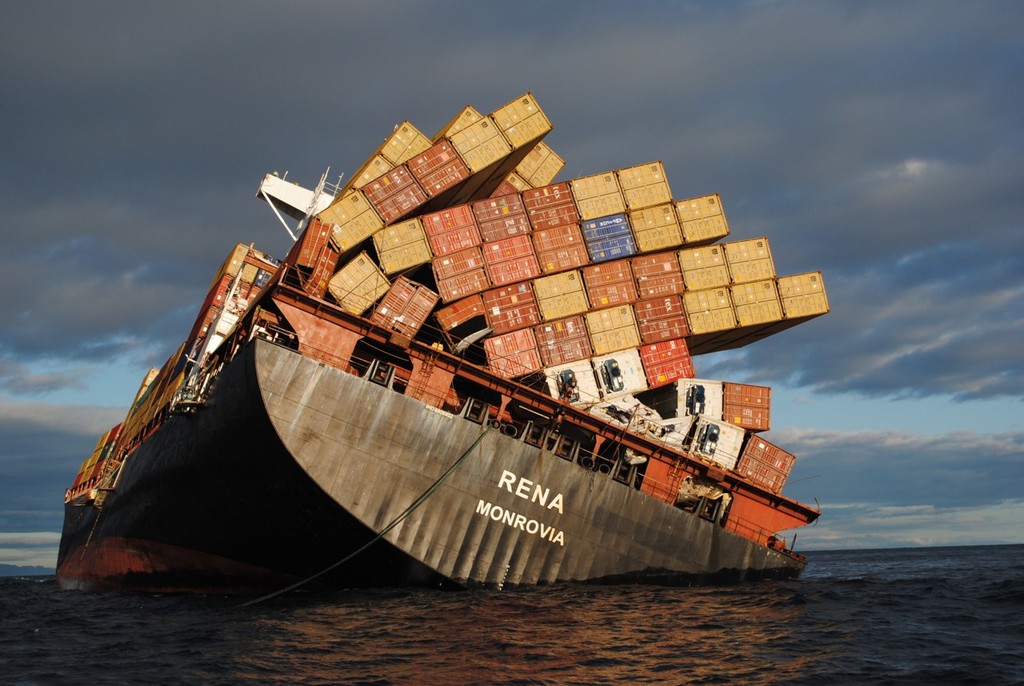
point(17, 570)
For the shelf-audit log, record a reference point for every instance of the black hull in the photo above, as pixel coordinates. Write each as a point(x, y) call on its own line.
point(292, 465)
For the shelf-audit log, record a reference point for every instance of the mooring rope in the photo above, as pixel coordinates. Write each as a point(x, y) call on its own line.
point(405, 513)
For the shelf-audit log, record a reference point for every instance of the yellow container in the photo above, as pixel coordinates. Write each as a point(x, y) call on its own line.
point(756, 302)
point(480, 144)
point(702, 219)
point(521, 121)
point(704, 268)
point(402, 246)
point(656, 228)
point(518, 182)
point(467, 116)
point(749, 260)
point(359, 284)
point(709, 310)
point(375, 167)
point(540, 166)
point(644, 185)
point(353, 219)
point(612, 329)
point(404, 144)
point(598, 195)
point(803, 295)
point(560, 295)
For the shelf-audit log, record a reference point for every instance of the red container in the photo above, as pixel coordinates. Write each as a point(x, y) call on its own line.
point(460, 312)
point(512, 354)
point(394, 194)
point(609, 284)
point(661, 319)
point(510, 260)
point(550, 206)
point(504, 188)
point(451, 230)
point(657, 275)
point(765, 464)
point(747, 406)
point(510, 308)
point(666, 362)
point(438, 168)
point(405, 307)
point(312, 242)
point(563, 341)
point(460, 285)
point(560, 248)
point(456, 263)
point(501, 217)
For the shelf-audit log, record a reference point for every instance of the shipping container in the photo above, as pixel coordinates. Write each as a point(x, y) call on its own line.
point(661, 319)
point(666, 362)
point(550, 206)
point(510, 260)
point(513, 354)
point(619, 373)
point(501, 217)
point(373, 168)
point(644, 185)
point(402, 246)
point(404, 143)
point(451, 230)
point(522, 120)
point(656, 228)
point(608, 238)
point(540, 166)
point(717, 441)
point(612, 329)
point(463, 284)
point(359, 284)
point(657, 275)
point(460, 312)
point(405, 307)
point(765, 464)
point(480, 144)
point(456, 263)
point(574, 382)
point(469, 115)
point(709, 310)
point(395, 194)
point(509, 308)
point(803, 295)
point(598, 195)
point(438, 168)
point(699, 397)
point(756, 302)
point(609, 284)
point(702, 220)
point(310, 245)
point(513, 183)
point(353, 220)
point(560, 249)
point(704, 267)
point(749, 260)
point(563, 341)
point(560, 295)
point(747, 405)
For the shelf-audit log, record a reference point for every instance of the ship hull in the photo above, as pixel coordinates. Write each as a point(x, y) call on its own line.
point(292, 466)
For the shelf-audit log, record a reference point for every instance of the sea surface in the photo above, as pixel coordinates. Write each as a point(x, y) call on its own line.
point(907, 616)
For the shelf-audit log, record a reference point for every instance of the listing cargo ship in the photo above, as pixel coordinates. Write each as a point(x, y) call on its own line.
point(464, 373)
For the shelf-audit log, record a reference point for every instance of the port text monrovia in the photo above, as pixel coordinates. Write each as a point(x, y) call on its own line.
point(527, 490)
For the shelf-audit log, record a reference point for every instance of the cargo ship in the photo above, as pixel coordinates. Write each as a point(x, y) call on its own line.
point(464, 373)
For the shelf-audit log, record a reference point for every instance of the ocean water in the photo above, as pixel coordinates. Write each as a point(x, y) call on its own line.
point(908, 616)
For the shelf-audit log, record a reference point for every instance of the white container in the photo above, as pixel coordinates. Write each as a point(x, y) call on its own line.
point(581, 373)
point(700, 397)
point(717, 441)
point(619, 373)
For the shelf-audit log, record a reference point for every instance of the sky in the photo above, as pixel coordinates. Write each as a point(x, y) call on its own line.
point(879, 143)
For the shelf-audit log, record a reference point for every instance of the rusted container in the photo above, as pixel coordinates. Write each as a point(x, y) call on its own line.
point(661, 319)
point(765, 464)
point(550, 206)
point(513, 354)
point(560, 248)
point(438, 168)
point(510, 308)
point(756, 302)
point(540, 166)
point(803, 295)
point(656, 228)
point(359, 284)
point(704, 267)
point(563, 341)
point(461, 285)
point(353, 220)
point(709, 310)
point(510, 260)
point(644, 185)
point(469, 115)
point(395, 194)
point(609, 284)
point(608, 238)
point(666, 362)
point(598, 195)
point(522, 120)
point(702, 219)
point(747, 405)
point(460, 312)
point(457, 263)
point(657, 275)
point(402, 246)
point(405, 307)
point(480, 144)
point(612, 329)
point(451, 230)
point(501, 217)
point(749, 260)
point(560, 295)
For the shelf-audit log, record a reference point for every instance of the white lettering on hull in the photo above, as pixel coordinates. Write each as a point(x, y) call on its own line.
point(528, 490)
point(497, 513)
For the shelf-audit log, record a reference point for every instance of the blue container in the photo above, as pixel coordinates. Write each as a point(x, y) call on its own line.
point(608, 238)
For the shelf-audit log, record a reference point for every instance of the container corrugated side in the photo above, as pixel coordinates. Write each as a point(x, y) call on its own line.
point(395, 194)
point(510, 260)
point(353, 220)
point(469, 115)
point(666, 362)
point(747, 405)
point(661, 319)
point(461, 285)
point(563, 341)
point(609, 284)
point(457, 263)
point(510, 308)
point(359, 284)
point(612, 329)
point(460, 312)
point(438, 168)
point(405, 307)
point(657, 275)
point(756, 302)
point(451, 230)
point(608, 238)
point(404, 143)
point(656, 228)
point(749, 260)
point(513, 354)
point(582, 374)
point(803, 295)
point(644, 185)
point(560, 295)
point(550, 206)
point(513, 183)
point(765, 464)
point(501, 217)
point(709, 310)
point(480, 144)
point(522, 120)
point(723, 451)
point(704, 267)
point(619, 373)
point(699, 397)
point(560, 248)
point(702, 219)
point(540, 166)
point(598, 195)
point(373, 168)
point(402, 246)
